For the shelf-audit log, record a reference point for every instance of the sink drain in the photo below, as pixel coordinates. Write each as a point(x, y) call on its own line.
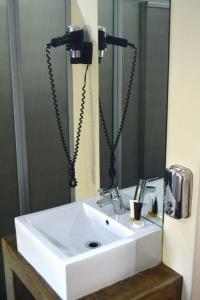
point(92, 244)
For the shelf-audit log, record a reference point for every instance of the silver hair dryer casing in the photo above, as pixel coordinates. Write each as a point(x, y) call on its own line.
point(178, 192)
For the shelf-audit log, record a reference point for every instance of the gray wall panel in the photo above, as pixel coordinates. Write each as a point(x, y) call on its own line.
point(39, 22)
point(9, 205)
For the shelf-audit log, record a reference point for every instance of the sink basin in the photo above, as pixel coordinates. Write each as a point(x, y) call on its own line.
point(76, 248)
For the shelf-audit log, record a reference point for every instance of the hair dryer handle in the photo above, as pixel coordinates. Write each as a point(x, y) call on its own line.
point(116, 41)
point(59, 41)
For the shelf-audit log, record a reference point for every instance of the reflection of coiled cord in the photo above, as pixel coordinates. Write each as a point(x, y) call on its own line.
point(71, 161)
point(113, 144)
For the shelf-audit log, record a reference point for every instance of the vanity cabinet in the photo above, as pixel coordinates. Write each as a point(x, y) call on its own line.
point(24, 283)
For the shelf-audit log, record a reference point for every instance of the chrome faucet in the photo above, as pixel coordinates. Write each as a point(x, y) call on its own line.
point(112, 196)
point(142, 188)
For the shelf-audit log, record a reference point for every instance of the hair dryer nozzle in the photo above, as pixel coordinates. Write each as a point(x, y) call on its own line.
point(59, 41)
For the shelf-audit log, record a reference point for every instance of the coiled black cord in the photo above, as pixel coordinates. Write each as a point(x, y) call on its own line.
point(71, 160)
point(113, 144)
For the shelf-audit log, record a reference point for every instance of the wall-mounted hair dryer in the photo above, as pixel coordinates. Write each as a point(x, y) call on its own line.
point(105, 39)
point(80, 51)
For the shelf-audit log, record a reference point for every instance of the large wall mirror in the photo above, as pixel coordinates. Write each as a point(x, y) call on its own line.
point(140, 153)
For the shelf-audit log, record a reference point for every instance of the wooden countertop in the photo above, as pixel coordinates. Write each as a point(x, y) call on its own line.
point(157, 283)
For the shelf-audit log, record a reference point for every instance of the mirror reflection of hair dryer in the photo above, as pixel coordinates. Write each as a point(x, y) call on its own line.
point(111, 141)
point(105, 39)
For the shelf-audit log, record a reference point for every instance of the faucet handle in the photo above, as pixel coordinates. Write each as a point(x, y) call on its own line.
point(114, 192)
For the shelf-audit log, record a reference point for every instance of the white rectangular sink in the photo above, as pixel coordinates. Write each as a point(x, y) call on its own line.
point(56, 242)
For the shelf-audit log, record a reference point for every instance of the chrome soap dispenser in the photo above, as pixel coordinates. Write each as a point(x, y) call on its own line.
point(178, 192)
